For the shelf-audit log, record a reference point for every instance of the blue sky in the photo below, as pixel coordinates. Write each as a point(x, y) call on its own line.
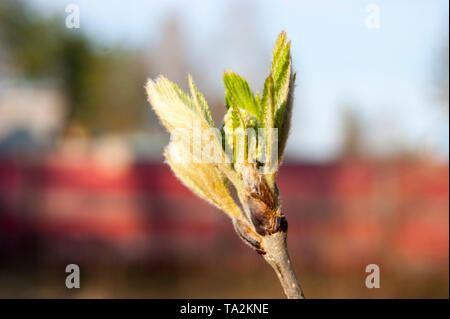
point(386, 75)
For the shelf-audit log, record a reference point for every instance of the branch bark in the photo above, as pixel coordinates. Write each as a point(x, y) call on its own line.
point(278, 257)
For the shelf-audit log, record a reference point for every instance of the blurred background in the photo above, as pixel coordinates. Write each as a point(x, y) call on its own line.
point(82, 179)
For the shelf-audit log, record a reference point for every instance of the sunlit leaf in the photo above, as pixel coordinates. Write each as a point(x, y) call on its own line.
point(239, 94)
point(205, 180)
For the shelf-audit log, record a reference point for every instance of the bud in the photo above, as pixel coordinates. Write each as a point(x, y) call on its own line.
point(260, 203)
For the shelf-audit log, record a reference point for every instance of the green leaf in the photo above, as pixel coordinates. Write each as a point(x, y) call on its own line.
point(271, 110)
point(281, 70)
point(236, 122)
point(200, 102)
point(283, 119)
point(173, 107)
point(283, 83)
point(267, 122)
point(279, 44)
point(232, 121)
point(258, 98)
point(239, 94)
point(267, 104)
point(184, 98)
point(205, 180)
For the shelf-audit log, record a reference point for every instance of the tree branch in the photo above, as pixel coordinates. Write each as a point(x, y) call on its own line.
point(277, 256)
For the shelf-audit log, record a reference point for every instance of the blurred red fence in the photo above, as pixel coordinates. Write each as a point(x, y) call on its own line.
point(340, 215)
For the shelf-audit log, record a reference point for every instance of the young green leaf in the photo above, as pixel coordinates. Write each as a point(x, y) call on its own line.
point(267, 104)
point(177, 111)
point(200, 102)
point(174, 108)
point(267, 122)
point(281, 70)
point(283, 83)
point(203, 179)
point(236, 122)
point(283, 116)
point(232, 121)
point(279, 45)
point(239, 94)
